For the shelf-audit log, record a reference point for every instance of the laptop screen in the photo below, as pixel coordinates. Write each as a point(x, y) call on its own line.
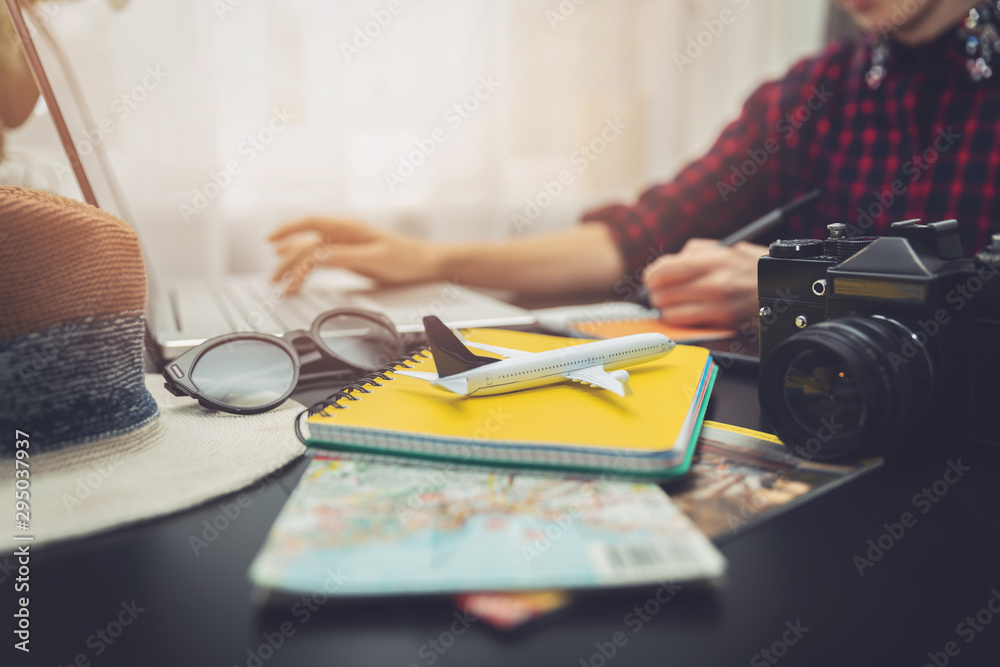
point(149, 113)
point(84, 158)
point(154, 112)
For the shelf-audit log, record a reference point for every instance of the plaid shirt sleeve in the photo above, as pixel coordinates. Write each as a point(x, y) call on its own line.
point(924, 144)
point(734, 182)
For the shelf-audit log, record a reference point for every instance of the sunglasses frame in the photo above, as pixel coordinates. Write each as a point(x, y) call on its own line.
point(177, 372)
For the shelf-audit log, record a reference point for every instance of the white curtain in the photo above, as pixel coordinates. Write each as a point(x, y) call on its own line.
point(454, 119)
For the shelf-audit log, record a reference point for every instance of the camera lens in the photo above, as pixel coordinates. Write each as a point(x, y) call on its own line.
point(818, 387)
point(846, 387)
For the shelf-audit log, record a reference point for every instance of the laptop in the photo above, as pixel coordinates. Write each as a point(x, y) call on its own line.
point(182, 313)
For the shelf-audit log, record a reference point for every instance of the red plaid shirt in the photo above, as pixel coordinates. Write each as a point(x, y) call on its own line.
point(925, 144)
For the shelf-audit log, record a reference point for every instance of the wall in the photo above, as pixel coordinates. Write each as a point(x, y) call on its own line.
point(294, 109)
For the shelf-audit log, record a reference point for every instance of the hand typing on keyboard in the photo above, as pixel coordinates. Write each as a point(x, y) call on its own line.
point(388, 258)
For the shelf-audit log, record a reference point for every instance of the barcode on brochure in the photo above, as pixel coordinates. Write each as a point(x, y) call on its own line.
point(640, 560)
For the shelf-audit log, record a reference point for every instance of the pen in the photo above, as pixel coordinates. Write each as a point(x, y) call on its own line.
point(755, 228)
point(769, 220)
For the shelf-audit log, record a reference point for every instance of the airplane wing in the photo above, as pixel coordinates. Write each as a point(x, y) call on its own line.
point(456, 385)
point(505, 351)
point(596, 376)
point(430, 377)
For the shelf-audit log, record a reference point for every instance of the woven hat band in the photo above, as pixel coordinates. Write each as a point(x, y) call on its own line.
point(75, 382)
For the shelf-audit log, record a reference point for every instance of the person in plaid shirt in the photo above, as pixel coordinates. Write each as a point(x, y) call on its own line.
point(903, 122)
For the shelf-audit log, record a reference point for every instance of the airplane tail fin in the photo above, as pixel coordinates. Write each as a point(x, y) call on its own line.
point(451, 356)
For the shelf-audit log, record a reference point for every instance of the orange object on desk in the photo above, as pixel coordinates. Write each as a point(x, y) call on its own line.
point(616, 328)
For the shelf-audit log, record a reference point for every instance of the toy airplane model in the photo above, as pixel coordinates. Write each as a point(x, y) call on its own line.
point(599, 364)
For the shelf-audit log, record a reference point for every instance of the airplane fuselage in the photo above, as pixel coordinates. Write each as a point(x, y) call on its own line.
point(541, 368)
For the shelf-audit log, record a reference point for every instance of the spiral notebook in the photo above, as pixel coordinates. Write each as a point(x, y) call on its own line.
point(650, 432)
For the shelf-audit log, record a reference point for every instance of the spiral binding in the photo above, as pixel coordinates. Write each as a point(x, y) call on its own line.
point(372, 379)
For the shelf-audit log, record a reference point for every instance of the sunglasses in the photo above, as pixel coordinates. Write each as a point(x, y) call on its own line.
point(249, 373)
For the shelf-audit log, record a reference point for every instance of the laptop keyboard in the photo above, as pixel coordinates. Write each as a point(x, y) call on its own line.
point(191, 310)
point(252, 303)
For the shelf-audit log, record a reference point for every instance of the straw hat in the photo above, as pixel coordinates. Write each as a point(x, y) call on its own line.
point(106, 444)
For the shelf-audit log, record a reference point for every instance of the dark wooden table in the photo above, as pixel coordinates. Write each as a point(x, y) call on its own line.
point(793, 589)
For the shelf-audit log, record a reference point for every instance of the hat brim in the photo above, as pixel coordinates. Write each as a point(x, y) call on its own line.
point(183, 458)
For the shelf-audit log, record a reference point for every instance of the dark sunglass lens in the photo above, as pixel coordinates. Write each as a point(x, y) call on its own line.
point(244, 373)
point(360, 341)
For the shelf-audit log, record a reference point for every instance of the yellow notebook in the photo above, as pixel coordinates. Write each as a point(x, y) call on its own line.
point(567, 426)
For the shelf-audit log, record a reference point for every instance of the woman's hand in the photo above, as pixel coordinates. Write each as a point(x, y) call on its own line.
point(388, 258)
point(706, 284)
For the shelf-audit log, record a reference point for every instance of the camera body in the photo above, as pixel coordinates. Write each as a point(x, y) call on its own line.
point(880, 345)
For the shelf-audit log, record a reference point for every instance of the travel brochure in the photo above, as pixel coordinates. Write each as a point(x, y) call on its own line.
point(511, 547)
point(393, 529)
point(739, 479)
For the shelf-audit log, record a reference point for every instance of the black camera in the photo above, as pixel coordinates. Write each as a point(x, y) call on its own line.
point(880, 345)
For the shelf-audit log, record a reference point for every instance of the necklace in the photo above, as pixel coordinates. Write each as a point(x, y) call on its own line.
point(978, 32)
point(982, 41)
